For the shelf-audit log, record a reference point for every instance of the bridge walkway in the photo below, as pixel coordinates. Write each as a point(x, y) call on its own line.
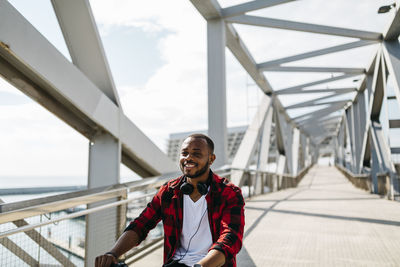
point(325, 221)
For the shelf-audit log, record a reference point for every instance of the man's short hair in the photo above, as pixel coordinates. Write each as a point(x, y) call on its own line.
point(210, 142)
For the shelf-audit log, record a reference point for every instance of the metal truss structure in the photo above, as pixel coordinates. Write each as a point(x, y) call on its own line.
point(351, 124)
point(82, 94)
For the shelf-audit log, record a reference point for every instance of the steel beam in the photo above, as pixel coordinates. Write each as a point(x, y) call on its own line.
point(248, 145)
point(365, 99)
point(337, 91)
point(313, 69)
point(295, 146)
point(18, 251)
point(280, 127)
point(358, 135)
point(45, 244)
point(363, 123)
point(217, 127)
point(352, 135)
point(71, 96)
point(391, 52)
point(393, 30)
point(301, 86)
point(318, 113)
point(304, 27)
point(240, 51)
point(378, 91)
point(104, 163)
point(315, 53)
point(84, 44)
point(300, 105)
point(262, 163)
point(209, 9)
point(312, 120)
point(314, 129)
point(280, 170)
point(250, 6)
point(313, 102)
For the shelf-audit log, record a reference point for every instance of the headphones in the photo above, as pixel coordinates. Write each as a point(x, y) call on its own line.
point(187, 188)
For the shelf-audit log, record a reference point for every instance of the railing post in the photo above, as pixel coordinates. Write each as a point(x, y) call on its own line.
point(102, 228)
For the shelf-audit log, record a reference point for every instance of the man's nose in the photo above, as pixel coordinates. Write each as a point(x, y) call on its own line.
point(189, 157)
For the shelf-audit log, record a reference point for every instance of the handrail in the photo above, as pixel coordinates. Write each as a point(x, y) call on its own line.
point(361, 175)
point(270, 173)
point(70, 216)
point(24, 209)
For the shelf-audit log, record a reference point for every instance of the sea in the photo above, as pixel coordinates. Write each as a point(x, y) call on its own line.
point(21, 182)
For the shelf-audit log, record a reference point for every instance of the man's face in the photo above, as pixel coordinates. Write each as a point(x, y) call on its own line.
point(195, 158)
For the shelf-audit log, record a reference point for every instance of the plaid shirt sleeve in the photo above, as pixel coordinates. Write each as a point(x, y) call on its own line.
point(149, 217)
point(232, 224)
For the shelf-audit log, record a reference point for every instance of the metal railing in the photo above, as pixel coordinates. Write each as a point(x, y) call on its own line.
point(51, 230)
point(388, 185)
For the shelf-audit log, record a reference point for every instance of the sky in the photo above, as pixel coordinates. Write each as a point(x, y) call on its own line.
point(157, 54)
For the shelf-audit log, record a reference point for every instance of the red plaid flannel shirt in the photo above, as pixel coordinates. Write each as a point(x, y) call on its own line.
point(225, 213)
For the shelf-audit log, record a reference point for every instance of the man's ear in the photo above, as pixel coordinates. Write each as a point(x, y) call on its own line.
point(212, 158)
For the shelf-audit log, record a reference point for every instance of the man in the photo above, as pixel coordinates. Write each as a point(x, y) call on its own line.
point(202, 213)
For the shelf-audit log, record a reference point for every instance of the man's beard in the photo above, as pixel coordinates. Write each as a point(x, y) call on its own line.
point(198, 173)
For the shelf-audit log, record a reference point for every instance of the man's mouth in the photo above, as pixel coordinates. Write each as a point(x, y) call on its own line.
point(190, 165)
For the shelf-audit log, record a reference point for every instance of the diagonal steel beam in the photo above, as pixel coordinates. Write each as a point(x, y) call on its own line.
point(304, 27)
point(298, 87)
point(240, 51)
point(317, 114)
point(247, 147)
point(313, 69)
point(393, 30)
point(320, 123)
point(391, 52)
point(315, 53)
point(18, 251)
point(312, 102)
point(301, 105)
point(337, 91)
point(209, 9)
point(333, 119)
point(318, 130)
point(317, 120)
point(378, 92)
point(84, 44)
point(250, 6)
point(326, 90)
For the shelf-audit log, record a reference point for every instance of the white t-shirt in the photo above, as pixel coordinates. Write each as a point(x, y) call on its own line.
point(194, 231)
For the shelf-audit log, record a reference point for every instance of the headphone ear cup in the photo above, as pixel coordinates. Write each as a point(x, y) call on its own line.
point(202, 188)
point(187, 188)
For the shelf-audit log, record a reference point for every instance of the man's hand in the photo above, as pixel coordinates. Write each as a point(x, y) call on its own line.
point(214, 258)
point(125, 242)
point(105, 260)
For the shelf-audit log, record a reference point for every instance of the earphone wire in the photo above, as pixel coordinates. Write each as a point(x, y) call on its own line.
point(190, 240)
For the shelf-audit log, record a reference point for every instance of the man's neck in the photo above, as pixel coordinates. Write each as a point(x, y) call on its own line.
point(203, 179)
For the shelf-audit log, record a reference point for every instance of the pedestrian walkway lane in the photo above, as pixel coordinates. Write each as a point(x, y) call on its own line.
point(325, 221)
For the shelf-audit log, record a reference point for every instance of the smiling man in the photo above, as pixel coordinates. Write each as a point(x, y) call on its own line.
point(202, 213)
